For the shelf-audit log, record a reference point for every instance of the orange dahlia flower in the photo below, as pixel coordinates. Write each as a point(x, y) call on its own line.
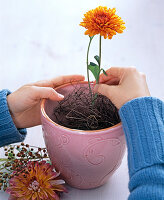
point(103, 21)
point(38, 182)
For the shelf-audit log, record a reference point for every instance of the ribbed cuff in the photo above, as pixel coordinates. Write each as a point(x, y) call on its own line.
point(143, 124)
point(8, 132)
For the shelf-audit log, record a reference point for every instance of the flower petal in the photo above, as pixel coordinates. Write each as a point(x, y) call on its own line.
point(40, 184)
point(102, 21)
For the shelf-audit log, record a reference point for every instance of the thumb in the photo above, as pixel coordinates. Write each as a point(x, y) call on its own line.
point(109, 91)
point(47, 93)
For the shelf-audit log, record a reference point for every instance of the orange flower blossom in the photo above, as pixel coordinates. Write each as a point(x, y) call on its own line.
point(39, 183)
point(103, 21)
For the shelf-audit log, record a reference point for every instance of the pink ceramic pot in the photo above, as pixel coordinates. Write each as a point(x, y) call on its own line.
point(86, 159)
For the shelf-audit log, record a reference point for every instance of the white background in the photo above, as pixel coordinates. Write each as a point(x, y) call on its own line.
point(40, 39)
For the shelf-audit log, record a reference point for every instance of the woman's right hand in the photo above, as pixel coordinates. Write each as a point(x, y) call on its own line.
point(122, 85)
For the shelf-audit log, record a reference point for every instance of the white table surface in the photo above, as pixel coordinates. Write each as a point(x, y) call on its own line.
point(40, 39)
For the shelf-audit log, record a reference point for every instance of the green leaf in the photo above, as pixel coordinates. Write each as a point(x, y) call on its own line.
point(10, 155)
point(93, 64)
point(97, 58)
point(95, 70)
point(48, 161)
point(104, 72)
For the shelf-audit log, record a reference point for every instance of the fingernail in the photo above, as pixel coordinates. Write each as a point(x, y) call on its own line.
point(60, 96)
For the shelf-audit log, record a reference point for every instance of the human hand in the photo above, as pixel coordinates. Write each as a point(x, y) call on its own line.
point(122, 85)
point(24, 103)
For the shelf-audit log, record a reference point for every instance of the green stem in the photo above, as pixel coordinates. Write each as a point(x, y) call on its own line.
point(88, 64)
point(99, 57)
point(97, 80)
point(3, 159)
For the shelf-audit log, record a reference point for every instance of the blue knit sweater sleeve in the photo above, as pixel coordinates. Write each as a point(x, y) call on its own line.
point(8, 132)
point(143, 124)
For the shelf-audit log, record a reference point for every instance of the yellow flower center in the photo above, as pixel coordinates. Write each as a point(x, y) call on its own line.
point(34, 186)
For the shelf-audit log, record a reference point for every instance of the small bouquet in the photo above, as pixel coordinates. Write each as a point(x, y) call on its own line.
point(26, 173)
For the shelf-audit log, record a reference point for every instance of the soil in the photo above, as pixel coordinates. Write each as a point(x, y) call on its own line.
point(78, 111)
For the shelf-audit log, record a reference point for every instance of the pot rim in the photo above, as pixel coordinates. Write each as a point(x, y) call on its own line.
point(44, 114)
